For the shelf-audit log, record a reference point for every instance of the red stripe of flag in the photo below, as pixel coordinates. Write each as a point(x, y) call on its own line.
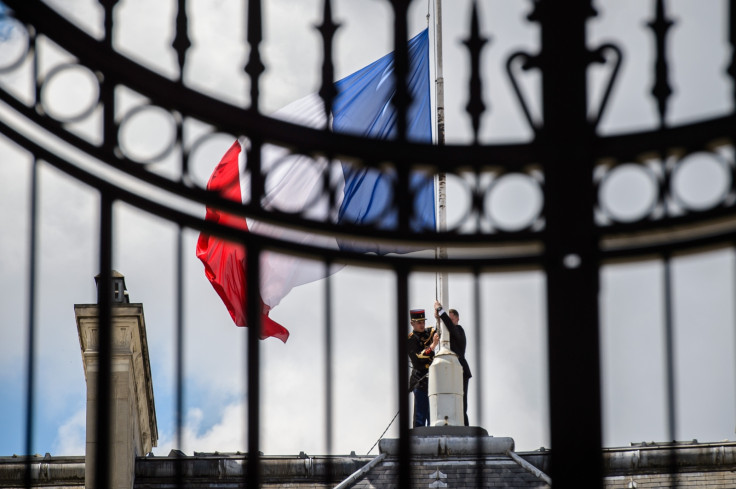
point(224, 261)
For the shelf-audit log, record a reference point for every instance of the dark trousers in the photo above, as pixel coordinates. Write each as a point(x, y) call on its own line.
point(465, 399)
point(421, 408)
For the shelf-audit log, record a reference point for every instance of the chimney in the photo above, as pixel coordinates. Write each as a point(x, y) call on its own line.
point(133, 413)
point(119, 291)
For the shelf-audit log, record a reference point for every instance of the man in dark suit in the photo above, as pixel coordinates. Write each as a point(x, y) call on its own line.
point(451, 318)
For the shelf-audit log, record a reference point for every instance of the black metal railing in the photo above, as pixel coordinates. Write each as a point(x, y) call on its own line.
point(567, 160)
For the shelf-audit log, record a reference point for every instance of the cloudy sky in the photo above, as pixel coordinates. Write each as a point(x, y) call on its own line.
point(511, 367)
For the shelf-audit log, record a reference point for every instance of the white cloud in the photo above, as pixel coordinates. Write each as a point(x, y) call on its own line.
point(71, 435)
point(226, 435)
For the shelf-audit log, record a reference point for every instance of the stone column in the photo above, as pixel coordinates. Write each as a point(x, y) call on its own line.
point(133, 414)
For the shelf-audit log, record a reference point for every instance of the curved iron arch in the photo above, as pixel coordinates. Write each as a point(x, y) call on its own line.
point(546, 246)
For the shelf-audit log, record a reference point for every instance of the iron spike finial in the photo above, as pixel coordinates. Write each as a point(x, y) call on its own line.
point(255, 67)
point(327, 29)
point(475, 43)
point(181, 41)
point(661, 89)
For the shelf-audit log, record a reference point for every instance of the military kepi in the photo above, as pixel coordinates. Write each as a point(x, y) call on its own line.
point(417, 315)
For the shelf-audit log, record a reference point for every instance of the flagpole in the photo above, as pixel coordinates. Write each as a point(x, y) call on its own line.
point(445, 388)
point(442, 278)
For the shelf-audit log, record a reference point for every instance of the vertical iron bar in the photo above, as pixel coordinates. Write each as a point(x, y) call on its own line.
point(33, 51)
point(402, 308)
point(107, 86)
point(478, 383)
point(253, 314)
point(104, 379)
point(662, 92)
point(571, 247)
point(669, 339)
point(733, 293)
point(401, 101)
point(402, 97)
point(731, 70)
point(109, 129)
point(254, 69)
point(178, 415)
point(31, 352)
point(32, 276)
point(253, 164)
point(108, 6)
point(328, 372)
point(184, 171)
point(181, 44)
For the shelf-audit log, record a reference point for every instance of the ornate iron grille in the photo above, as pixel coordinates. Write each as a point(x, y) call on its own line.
point(571, 237)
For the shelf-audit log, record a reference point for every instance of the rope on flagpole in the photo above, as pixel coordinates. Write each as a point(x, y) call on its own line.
point(411, 388)
point(384, 432)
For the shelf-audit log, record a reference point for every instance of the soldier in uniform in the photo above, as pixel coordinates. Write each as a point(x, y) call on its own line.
point(420, 345)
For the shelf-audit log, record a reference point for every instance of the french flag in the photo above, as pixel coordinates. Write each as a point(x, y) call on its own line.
point(294, 183)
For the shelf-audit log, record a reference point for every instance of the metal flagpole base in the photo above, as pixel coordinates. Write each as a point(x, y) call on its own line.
point(446, 390)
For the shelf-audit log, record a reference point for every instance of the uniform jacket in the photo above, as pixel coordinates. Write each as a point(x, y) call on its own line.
point(421, 356)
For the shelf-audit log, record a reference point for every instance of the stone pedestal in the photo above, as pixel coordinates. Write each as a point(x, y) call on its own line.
point(133, 414)
point(450, 440)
